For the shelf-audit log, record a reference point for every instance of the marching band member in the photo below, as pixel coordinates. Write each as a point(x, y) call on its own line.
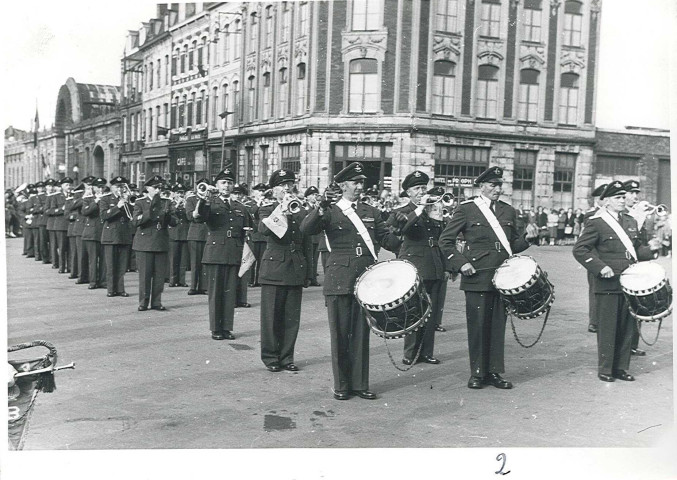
point(353, 228)
point(178, 239)
point(609, 244)
point(91, 234)
point(72, 212)
point(31, 230)
point(197, 236)
point(239, 194)
point(310, 196)
point(60, 225)
point(226, 220)
point(41, 221)
point(285, 269)
point(488, 227)
point(259, 240)
point(592, 317)
point(116, 237)
point(151, 217)
point(51, 186)
point(78, 230)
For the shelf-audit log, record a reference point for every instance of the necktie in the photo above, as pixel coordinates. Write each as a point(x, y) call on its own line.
point(493, 206)
point(354, 205)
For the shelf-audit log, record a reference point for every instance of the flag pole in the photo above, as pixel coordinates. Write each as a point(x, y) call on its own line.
point(223, 116)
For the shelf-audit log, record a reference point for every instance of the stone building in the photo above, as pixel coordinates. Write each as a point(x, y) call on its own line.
point(15, 163)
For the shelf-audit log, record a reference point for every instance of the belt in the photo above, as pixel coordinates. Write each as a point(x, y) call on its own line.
point(358, 251)
point(485, 246)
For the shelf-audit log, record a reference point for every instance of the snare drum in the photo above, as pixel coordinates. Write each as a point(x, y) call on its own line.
point(393, 298)
point(524, 287)
point(647, 291)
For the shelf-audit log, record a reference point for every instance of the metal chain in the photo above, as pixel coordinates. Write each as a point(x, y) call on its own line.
point(639, 329)
point(512, 324)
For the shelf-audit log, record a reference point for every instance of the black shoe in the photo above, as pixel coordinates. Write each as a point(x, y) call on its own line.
point(440, 328)
point(111, 294)
point(93, 286)
point(475, 382)
point(72, 277)
point(218, 336)
point(243, 305)
point(123, 294)
point(250, 285)
point(274, 367)
point(80, 282)
point(183, 284)
point(638, 352)
point(54, 267)
point(291, 367)
point(192, 292)
point(63, 271)
point(142, 309)
point(228, 336)
point(496, 380)
point(315, 283)
point(428, 359)
point(407, 361)
point(606, 378)
point(202, 292)
point(592, 328)
point(366, 394)
point(341, 395)
point(257, 285)
point(173, 285)
point(159, 308)
point(623, 375)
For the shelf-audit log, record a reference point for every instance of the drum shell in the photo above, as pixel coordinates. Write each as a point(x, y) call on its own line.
point(530, 299)
point(652, 304)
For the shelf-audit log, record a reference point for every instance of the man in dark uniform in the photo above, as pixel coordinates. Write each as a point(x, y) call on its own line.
point(53, 190)
point(178, 239)
point(488, 227)
point(43, 237)
point(609, 244)
point(131, 265)
point(30, 229)
point(197, 236)
point(226, 219)
point(152, 215)
point(78, 230)
point(421, 227)
point(353, 229)
point(592, 318)
point(60, 224)
point(116, 237)
point(259, 240)
point(310, 196)
point(285, 269)
point(91, 234)
point(240, 195)
point(72, 213)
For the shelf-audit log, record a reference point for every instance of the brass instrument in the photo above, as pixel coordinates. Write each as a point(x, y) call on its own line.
point(447, 200)
point(205, 190)
point(294, 205)
point(660, 210)
point(129, 198)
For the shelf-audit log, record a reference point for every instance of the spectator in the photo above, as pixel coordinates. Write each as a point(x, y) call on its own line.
point(578, 223)
point(542, 224)
point(561, 226)
point(552, 217)
point(663, 231)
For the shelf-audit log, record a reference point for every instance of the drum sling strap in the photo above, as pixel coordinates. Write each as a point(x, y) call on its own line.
point(604, 214)
point(493, 222)
point(347, 209)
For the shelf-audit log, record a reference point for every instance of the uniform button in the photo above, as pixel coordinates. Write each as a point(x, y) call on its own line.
point(213, 243)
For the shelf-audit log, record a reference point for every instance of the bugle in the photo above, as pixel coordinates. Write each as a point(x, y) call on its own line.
point(447, 199)
point(205, 190)
point(660, 210)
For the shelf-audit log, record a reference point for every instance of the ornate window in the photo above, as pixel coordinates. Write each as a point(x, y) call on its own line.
point(490, 18)
point(251, 98)
point(237, 39)
point(303, 19)
point(568, 99)
point(444, 86)
point(446, 17)
point(166, 115)
point(236, 101)
point(487, 92)
point(366, 15)
point(528, 95)
point(191, 106)
point(269, 26)
point(253, 33)
point(301, 89)
point(573, 20)
point(266, 96)
point(173, 119)
point(284, 22)
point(198, 108)
point(182, 112)
point(532, 20)
point(201, 61)
point(363, 85)
point(191, 56)
point(183, 60)
point(225, 105)
point(226, 44)
point(283, 92)
point(215, 107)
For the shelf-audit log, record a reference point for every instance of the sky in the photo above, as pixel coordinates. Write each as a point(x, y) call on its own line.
point(43, 43)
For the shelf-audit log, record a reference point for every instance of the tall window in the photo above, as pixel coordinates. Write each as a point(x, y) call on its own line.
point(174, 59)
point(301, 89)
point(200, 52)
point(251, 98)
point(363, 97)
point(283, 93)
point(173, 119)
point(236, 102)
point(487, 92)
point(303, 19)
point(215, 107)
point(263, 167)
point(366, 14)
point(266, 96)
point(226, 44)
point(159, 72)
point(291, 157)
point(198, 108)
point(284, 22)
point(183, 59)
point(237, 39)
point(253, 34)
point(563, 186)
point(491, 18)
point(446, 15)
point(523, 178)
point(191, 56)
point(191, 106)
point(124, 129)
point(158, 119)
point(532, 20)
point(573, 19)
point(166, 115)
point(269, 26)
point(224, 104)
point(167, 69)
point(612, 166)
point(568, 101)
point(457, 166)
point(182, 112)
point(444, 82)
point(528, 97)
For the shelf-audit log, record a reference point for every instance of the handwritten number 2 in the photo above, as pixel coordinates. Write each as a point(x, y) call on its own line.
point(502, 456)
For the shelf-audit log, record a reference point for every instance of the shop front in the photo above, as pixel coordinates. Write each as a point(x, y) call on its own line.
point(155, 162)
point(187, 157)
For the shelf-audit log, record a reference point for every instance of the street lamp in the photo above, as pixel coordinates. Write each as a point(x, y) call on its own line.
point(223, 116)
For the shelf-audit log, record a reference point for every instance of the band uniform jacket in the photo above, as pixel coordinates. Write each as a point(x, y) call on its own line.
point(197, 232)
point(93, 225)
point(179, 232)
point(420, 244)
point(349, 256)
point(225, 230)
point(257, 236)
point(148, 215)
point(117, 227)
point(483, 250)
point(50, 210)
point(40, 205)
point(76, 209)
point(287, 260)
point(72, 213)
point(599, 246)
point(58, 212)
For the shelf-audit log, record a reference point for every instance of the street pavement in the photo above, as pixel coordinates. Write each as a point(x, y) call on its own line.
point(156, 380)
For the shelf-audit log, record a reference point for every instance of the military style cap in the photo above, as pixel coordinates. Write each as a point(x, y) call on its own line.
point(30, 185)
point(415, 178)
point(157, 181)
point(354, 171)
point(99, 182)
point(436, 191)
point(372, 192)
point(178, 187)
point(133, 186)
point(613, 189)
point(202, 180)
point(237, 189)
point(65, 180)
point(260, 186)
point(280, 176)
point(631, 186)
point(40, 184)
point(244, 188)
point(50, 181)
point(118, 180)
point(79, 188)
point(88, 180)
point(312, 190)
point(225, 174)
point(490, 175)
point(599, 190)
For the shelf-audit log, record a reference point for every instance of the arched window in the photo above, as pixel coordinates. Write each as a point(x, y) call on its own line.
point(215, 108)
point(444, 86)
point(267, 93)
point(283, 92)
point(284, 22)
point(191, 56)
point(183, 59)
point(182, 112)
point(300, 89)
point(198, 108)
point(528, 95)
point(236, 102)
point(226, 44)
point(532, 20)
point(487, 92)
point(173, 119)
point(363, 85)
point(251, 98)
point(150, 76)
point(573, 20)
point(447, 15)
point(568, 99)
point(367, 14)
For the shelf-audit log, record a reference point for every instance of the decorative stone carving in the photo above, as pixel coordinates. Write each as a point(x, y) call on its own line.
point(266, 61)
point(532, 56)
point(251, 63)
point(595, 8)
point(514, 4)
point(301, 49)
point(490, 52)
point(572, 61)
point(446, 47)
point(554, 6)
point(354, 44)
point(283, 56)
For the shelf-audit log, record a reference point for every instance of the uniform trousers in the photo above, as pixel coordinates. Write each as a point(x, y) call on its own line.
point(591, 301)
point(614, 333)
point(178, 261)
point(280, 319)
point(485, 314)
point(242, 284)
point(426, 335)
point(131, 266)
point(316, 257)
point(349, 335)
point(62, 247)
point(117, 257)
point(635, 336)
point(83, 260)
point(28, 242)
point(43, 241)
point(325, 259)
point(221, 285)
point(73, 255)
point(152, 272)
point(96, 263)
point(437, 314)
point(197, 273)
point(36, 243)
point(53, 248)
point(257, 250)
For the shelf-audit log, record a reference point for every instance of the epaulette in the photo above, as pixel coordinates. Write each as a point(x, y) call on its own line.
point(401, 206)
point(505, 203)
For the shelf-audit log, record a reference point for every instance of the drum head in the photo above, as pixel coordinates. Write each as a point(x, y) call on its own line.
point(515, 272)
point(642, 276)
point(386, 282)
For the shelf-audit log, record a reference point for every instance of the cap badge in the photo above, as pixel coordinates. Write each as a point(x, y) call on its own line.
point(358, 169)
point(417, 173)
point(282, 173)
point(497, 171)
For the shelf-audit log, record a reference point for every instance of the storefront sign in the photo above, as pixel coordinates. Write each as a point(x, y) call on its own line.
point(459, 182)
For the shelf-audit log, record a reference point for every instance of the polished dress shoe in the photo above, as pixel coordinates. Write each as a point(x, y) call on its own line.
point(173, 285)
point(159, 308)
point(274, 367)
point(218, 336)
point(72, 277)
point(291, 367)
point(440, 328)
point(123, 294)
point(638, 352)
point(54, 267)
point(80, 282)
point(111, 294)
point(428, 359)
point(407, 361)
point(592, 328)
point(606, 378)
point(623, 375)
point(192, 292)
point(475, 382)
point(341, 395)
point(315, 284)
point(143, 309)
point(202, 292)
point(366, 394)
point(93, 287)
point(497, 381)
point(243, 305)
point(183, 284)
point(228, 336)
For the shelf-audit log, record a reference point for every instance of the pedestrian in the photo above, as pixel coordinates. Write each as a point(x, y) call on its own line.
point(542, 223)
point(561, 226)
point(552, 219)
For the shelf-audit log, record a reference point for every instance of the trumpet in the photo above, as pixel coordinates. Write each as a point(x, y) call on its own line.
point(294, 205)
point(447, 200)
point(660, 210)
point(205, 190)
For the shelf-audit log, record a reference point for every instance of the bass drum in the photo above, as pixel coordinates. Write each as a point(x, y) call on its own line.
point(647, 290)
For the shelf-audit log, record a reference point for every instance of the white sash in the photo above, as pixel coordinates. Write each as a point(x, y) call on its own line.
point(277, 222)
point(604, 214)
point(347, 209)
point(493, 222)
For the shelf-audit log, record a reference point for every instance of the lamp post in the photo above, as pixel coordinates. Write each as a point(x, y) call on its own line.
point(223, 116)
